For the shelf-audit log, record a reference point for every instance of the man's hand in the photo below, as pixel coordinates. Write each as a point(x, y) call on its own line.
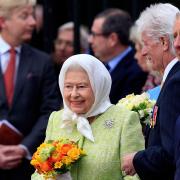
point(127, 164)
point(11, 156)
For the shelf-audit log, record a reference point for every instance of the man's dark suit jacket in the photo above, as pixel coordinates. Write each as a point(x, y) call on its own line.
point(177, 149)
point(35, 97)
point(157, 161)
point(127, 78)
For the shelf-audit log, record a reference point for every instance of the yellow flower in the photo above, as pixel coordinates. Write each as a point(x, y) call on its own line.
point(34, 162)
point(58, 165)
point(129, 106)
point(74, 153)
point(54, 157)
point(67, 160)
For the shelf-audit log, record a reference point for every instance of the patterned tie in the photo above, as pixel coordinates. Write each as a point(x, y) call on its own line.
point(9, 76)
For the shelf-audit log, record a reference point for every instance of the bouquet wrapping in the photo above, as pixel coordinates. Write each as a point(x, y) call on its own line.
point(54, 159)
point(140, 104)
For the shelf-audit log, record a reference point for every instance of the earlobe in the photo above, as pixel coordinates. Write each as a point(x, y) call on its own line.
point(113, 39)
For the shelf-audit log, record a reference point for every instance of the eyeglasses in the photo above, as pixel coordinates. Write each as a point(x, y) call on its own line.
point(94, 34)
point(65, 42)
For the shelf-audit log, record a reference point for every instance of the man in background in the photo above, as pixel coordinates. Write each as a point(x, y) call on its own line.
point(109, 40)
point(28, 88)
point(64, 44)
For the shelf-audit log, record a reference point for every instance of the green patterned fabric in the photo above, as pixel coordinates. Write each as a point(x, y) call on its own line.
point(116, 132)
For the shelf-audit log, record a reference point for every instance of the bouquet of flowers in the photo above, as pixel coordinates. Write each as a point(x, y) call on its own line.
point(140, 104)
point(53, 158)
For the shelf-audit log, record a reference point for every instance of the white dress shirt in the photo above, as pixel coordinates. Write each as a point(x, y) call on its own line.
point(168, 68)
point(5, 56)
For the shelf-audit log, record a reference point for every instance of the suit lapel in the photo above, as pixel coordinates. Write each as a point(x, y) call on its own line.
point(24, 65)
point(174, 69)
point(2, 90)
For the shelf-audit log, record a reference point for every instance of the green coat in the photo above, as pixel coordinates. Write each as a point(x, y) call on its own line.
point(116, 132)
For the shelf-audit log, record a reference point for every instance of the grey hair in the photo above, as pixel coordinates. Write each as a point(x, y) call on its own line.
point(6, 6)
point(135, 36)
point(84, 34)
point(157, 21)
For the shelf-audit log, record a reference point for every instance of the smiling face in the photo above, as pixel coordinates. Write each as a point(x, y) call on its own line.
point(153, 51)
point(78, 93)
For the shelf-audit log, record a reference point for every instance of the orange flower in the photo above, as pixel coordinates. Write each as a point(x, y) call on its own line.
point(65, 148)
point(56, 156)
point(45, 166)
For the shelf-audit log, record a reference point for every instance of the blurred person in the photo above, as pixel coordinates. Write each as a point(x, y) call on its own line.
point(152, 84)
point(157, 160)
point(176, 35)
point(37, 39)
point(109, 40)
point(91, 120)
point(28, 88)
point(64, 44)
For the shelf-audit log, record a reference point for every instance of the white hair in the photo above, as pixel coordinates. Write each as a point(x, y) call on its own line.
point(83, 33)
point(157, 21)
point(135, 36)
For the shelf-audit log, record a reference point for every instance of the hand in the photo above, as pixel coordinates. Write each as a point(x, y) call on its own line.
point(11, 156)
point(127, 164)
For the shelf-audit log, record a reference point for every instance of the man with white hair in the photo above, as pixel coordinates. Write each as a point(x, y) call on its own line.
point(157, 160)
point(176, 35)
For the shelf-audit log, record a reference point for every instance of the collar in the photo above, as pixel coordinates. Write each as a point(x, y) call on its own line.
point(115, 61)
point(5, 46)
point(168, 68)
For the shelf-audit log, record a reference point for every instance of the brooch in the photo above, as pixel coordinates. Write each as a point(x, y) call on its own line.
point(109, 123)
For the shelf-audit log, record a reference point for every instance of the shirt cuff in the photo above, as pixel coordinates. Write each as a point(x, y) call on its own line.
point(28, 154)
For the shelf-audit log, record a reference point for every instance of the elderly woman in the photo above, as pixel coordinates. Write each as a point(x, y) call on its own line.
point(106, 132)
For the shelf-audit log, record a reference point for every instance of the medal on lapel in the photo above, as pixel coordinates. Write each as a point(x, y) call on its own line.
point(154, 116)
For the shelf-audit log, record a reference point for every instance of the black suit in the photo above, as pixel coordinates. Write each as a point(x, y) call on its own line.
point(127, 78)
point(35, 97)
point(177, 149)
point(157, 161)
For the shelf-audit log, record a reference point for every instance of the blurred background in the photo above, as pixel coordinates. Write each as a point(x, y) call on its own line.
point(57, 12)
